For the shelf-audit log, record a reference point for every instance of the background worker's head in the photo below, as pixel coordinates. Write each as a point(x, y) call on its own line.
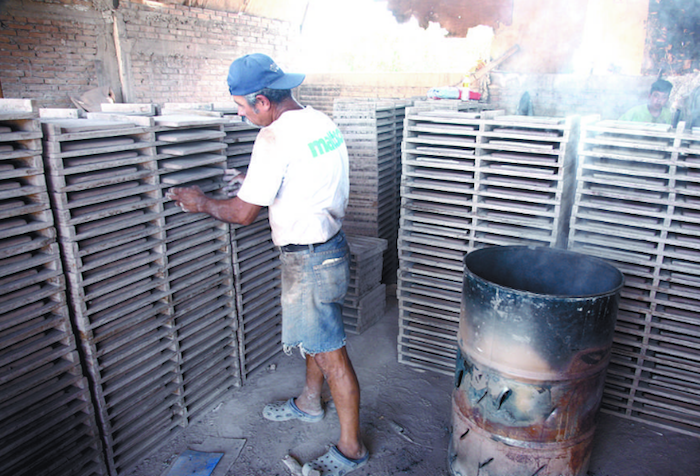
point(658, 96)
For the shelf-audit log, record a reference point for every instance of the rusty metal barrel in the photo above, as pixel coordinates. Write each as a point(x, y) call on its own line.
point(535, 337)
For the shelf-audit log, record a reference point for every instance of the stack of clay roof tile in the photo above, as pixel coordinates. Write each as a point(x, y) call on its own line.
point(48, 420)
point(109, 212)
point(470, 180)
point(373, 130)
point(240, 136)
point(258, 290)
point(365, 301)
point(190, 152)
point(255, 258)
point(637, 205)
point(256, 275)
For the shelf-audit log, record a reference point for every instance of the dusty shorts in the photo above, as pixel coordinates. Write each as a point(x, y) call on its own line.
point(314, 283)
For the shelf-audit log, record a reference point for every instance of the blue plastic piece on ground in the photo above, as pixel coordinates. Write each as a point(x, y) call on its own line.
point(195, 463)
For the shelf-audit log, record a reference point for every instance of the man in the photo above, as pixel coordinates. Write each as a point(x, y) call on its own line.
point(299, 170)
point(655, 110)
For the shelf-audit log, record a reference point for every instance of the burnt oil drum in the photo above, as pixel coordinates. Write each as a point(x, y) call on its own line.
point(535, 337)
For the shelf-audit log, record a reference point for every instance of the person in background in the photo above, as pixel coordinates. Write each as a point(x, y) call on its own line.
point(655, 110)
point(299, 170)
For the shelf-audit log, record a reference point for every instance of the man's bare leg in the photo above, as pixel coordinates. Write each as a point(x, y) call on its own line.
point(345, 390)
point(310, 399)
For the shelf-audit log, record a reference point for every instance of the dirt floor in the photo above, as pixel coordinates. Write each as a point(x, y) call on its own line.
point(405, 417)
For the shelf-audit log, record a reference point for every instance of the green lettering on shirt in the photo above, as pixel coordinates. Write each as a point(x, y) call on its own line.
point(330, 142)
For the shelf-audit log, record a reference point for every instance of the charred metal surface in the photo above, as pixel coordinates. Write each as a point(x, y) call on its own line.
point(534, 343)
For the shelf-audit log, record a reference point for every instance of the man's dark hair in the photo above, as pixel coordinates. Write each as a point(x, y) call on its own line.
point(274, 95)
point(662, 86)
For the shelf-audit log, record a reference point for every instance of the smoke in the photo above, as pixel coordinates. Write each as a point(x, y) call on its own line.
point(456, 16)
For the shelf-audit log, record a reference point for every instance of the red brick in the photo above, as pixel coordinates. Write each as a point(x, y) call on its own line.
point(33, 80)
point(23, 54)
point(19, 26)
point(12, 73)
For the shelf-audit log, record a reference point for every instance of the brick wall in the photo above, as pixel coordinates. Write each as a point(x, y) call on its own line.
point(320, 90)
point(49, 51)
point(52, 50)
point(182, 54)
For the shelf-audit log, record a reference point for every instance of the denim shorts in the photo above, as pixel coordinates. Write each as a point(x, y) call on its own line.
point(314, 283)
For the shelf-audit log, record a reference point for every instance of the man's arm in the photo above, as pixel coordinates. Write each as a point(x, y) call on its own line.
point(232, 210)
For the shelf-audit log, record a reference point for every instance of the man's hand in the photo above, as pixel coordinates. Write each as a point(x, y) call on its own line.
point(230, 210)
point(190, 199)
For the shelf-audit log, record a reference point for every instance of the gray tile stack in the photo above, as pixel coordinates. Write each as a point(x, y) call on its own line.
point(373, 130)
point(258, 289)
point(190, 151)
point(256, 264)
point(49, 424)
point(256, 276)
point(365, 301)
point(470, 180)
point(637, 205)
point(107, 202)
point(240, 136)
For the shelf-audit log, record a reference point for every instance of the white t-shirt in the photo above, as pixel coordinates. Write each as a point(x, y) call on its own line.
point(299, 170)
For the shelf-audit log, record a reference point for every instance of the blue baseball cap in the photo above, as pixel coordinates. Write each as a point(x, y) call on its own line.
point(251, 73)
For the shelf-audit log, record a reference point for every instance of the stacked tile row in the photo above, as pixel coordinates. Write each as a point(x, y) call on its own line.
point(471, 179)
point(373, 130)
point(365, 301)
point(107, 201)
point(190, 152)
point(49, 424)
point(258, 287)
point(256, 266)
point(637, 205)
point(240, 136)
point(256, 275)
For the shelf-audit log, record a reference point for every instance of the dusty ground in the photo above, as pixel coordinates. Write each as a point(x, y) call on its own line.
point(394, 397)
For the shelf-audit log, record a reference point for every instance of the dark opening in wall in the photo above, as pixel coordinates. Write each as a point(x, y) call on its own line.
point(673, 36)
